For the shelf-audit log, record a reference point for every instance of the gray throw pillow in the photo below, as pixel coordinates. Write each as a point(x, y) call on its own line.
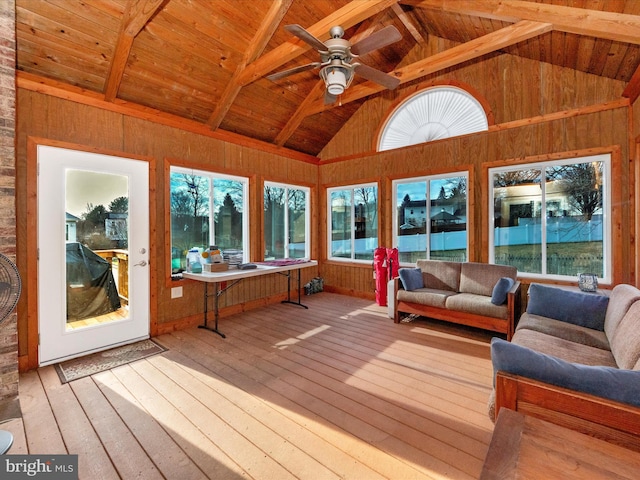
point(584, 309)
point(500, 290)
point(606, 382)
point(411, 278)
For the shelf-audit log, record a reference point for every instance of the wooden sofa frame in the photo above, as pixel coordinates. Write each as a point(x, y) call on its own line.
point(464, 318)
point(599, 417)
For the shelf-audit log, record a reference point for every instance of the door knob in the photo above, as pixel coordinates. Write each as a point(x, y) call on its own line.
point(141, 263)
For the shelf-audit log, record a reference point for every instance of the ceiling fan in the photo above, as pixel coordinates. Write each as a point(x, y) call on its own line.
point(338, 59)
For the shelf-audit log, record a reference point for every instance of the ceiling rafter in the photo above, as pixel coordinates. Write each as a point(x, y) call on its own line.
point(367, 28)
point(258, 43)
point(460, 53)
point(408, 24)
point(347, 16)
point(596, 23)
point(136, 16)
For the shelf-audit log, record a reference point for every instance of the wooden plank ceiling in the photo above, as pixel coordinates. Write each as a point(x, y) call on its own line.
point(204, 61)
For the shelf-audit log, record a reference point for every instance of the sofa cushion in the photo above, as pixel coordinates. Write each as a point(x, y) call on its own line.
point(621, 298)
point(480, 278)
point(440, 275)
point(565, 330)
point(625, 342)
point(563, 349)
point(478, 304)
point(613, 383)
point(584, 309)
point(411, 278)
point(501, 289)
point(425, 296)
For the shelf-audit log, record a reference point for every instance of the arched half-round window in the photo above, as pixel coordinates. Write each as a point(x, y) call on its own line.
point(433, 114)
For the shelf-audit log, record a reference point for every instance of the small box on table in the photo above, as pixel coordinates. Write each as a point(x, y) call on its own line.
point(215, 267)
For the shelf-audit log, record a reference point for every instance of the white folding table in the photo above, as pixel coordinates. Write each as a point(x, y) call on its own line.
point(235, 276)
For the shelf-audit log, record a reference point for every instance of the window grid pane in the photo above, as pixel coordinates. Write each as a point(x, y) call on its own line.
point(556, 227)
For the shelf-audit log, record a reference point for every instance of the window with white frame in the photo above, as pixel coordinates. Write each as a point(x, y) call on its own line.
point(553, 219)
point(430, 217)
point(353, 222)
point(286, 221)
point(208, 209)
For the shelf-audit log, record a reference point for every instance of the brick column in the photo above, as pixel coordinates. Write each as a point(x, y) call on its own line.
point(8, 329)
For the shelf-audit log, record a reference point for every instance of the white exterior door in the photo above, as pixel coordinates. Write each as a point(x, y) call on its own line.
point(93, 252)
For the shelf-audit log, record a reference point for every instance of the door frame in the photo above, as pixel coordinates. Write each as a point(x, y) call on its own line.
point(28, 359)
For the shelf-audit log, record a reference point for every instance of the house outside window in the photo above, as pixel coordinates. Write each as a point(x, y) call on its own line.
point(286, 221)
point(435, 229)
point(208, 209)
point(353, 222)
point(552, 219)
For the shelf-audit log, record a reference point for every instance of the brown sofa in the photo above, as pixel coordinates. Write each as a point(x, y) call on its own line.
point(574, 360)
point(461, 292)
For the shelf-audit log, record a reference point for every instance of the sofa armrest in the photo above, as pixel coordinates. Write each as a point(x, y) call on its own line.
point(606, 419)
point(514, 307)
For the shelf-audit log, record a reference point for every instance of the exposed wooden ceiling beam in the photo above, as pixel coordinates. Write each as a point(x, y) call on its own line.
point(475, 48)
point(136, 16)
point(596, 23)
point(258, 43)
point(408, 24)
point(632, 90)
point(347, 16)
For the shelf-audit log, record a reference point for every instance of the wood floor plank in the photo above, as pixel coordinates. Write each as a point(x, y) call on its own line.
point(76, 429)
point(125, 452)
point(42, 432)
point(398, 438)
point(205, 453)
point(162, 450)
point(246, 394)
point(335, 391)
point(305, 410)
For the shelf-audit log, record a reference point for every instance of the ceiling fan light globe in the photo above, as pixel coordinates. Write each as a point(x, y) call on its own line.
point(336, 81)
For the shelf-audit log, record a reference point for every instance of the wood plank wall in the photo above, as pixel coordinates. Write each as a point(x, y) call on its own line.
point(538, 109)
point(54, 119)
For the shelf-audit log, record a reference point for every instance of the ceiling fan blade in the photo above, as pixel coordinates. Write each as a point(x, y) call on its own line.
point(379, 39)
point(377, 76)
point(329, 99)
point(291, 71)
point(302, 34)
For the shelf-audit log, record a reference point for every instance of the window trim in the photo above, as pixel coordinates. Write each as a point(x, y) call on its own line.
point(608, 157)
point(307, 216)
point(427, 179)
point(246, 232)
point(352, 221)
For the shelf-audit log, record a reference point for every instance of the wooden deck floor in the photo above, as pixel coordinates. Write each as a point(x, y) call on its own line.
point(336, 391)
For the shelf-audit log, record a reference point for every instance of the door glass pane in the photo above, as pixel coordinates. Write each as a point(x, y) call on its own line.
point(517, 199)
point(96, 237)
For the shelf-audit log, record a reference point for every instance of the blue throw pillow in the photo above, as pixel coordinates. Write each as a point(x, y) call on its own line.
point(500, 290)
point(584, 309)
point(607, 382)
point(411, 278)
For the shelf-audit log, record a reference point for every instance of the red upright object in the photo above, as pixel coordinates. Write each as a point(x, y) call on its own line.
point(380, 271)
point(392, 263)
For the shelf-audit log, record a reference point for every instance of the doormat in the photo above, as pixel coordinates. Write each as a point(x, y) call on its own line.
point(101, 361)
